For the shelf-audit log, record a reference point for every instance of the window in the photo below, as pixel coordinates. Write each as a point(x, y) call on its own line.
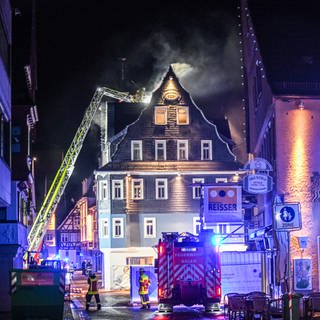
point(221, 180)
point(149, 227)
point(160, 150)
point(117, 227)
point(136, 150)
point(49, 237)
point(196, 225)
point(197, 190)
point(161, 189)
point(104, 228)
point(64, 237)
point(182, 115)
point(117, 189)
point(160, 115)
point(104, 190)
point(223, 228)
point(137, 189)
point(182, 150)
point(206, 150)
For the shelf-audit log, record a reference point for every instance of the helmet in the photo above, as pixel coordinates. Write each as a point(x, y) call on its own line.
point(141, 270)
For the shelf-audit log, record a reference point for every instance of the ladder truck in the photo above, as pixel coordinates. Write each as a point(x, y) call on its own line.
point(38, 229)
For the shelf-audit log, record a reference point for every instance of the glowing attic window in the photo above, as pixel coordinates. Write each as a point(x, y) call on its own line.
point(160, 115)
point(182, 115)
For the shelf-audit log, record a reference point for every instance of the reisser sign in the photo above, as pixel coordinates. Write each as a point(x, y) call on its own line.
point(220, 201)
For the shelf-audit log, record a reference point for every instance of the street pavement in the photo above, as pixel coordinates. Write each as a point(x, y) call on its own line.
point(116, 305)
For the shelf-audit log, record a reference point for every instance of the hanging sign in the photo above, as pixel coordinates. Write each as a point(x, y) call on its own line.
point(257, 183)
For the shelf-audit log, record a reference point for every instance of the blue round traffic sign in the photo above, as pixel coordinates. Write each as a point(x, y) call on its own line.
point(287, 214)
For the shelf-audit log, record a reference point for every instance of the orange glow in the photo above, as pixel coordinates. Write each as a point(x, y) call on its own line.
point(89, 228)
point(161, 249)
point(160, 292)
point(299, 171)
point(170, 91)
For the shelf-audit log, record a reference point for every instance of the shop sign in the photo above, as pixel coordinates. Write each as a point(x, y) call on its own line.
point(257, 183)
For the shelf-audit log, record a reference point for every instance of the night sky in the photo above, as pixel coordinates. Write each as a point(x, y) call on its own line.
point(80, 46)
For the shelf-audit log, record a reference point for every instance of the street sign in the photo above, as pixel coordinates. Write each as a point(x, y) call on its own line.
point(287, 216)
point(257, 183)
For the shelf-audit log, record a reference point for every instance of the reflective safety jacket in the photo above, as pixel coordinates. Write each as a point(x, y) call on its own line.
point(93, 285)
point(144, 283)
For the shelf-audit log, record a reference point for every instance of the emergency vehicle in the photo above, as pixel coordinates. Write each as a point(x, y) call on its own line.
point(189, 271)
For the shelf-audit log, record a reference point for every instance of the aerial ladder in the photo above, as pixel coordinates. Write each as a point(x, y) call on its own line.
point(52, 198)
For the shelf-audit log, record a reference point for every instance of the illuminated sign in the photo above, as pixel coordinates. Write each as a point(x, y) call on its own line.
point(222, 201)
point(257, 183)
point(287, 216)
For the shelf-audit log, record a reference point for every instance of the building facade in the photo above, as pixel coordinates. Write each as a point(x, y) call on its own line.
point(282, 105)
point(154, 180)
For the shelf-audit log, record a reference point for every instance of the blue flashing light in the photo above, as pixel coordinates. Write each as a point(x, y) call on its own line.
point(216, 239)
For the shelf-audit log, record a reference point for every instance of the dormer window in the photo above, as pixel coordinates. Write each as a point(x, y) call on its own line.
point(160, 115)
point(182, 115)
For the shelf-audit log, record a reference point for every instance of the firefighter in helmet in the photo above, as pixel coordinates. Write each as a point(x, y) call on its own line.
point(93, 291)
point(144, 284)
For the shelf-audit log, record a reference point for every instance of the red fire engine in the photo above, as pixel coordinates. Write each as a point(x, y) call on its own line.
point(188, 271)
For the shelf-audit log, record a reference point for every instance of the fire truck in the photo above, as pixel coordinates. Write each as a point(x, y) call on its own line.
point(189, 271)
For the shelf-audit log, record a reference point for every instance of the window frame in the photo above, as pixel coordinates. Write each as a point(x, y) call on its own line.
point(158, 108)
point(221, 180)
point(103, 222)
point(165, 187)
point(133, 189)
point(203, 149)
point(103, 189)
point(195, 188)
point(139, 143)
point(114, 227)
point(186, 149)
point(187, 115)
point(113, 183)
point(196, 225)
point(156, 150)
point(146, 235)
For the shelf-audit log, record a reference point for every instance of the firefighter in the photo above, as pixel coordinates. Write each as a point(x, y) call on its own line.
point(144, 284)
point(93, 291)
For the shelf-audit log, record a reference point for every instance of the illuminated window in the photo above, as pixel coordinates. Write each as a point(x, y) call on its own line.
point(117, 189)
point(182, 115)
point(161, 189)
point(160, 115)
point(160, 150)
point(136, 150)
point(182, 149)
point(117, 228)
point(137, 189)
point(104, 228)
point(197, 190)
point(104, 190)
point(196, 225)
point(149, 227)
point(206, 150)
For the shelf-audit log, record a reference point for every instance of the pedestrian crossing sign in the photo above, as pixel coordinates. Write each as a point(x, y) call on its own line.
point(287, 216)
